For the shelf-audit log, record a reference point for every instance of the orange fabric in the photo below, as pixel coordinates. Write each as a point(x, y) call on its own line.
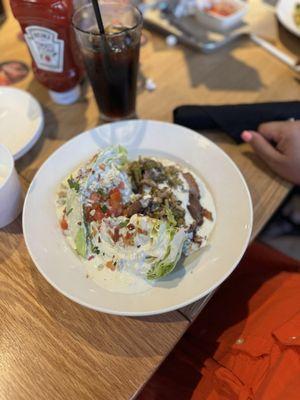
point(246, 343)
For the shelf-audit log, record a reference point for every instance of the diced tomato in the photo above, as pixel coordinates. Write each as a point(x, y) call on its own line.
point(114, 202)
point(99, 215)
point(115, 195)
point(64, 224)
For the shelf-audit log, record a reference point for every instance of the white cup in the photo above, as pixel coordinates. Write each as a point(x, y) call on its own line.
point(10, 188)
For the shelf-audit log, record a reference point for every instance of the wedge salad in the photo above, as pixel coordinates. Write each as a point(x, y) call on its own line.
point(133, 218)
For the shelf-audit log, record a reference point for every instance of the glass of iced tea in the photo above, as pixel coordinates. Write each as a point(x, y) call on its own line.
point(111, 59)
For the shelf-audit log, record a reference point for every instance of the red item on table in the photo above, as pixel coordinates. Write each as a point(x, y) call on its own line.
point(222, 9)
point(47, 29)
point(246, 343)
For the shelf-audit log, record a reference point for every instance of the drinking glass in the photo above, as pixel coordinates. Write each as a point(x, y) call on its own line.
point(111, 59)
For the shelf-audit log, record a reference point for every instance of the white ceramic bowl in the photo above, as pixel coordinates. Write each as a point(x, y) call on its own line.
point(220, 23)
point(187, 283)
point(21, 120)
point(285, 13)
point(10, 188)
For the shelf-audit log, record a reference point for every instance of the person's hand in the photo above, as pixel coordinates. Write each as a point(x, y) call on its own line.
point(284, 157)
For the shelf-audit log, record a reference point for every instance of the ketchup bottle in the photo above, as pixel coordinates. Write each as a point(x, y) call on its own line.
point(47, 29)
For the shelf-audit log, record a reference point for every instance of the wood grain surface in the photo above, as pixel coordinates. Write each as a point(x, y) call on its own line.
point(52, 348)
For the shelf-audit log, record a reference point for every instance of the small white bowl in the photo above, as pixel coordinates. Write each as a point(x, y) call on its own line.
point(21, 120)
point(10, 188)
point(222, 23)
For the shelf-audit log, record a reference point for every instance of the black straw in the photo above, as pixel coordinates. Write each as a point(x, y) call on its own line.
point(98, 16)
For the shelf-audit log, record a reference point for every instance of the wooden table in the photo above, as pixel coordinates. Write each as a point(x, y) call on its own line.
point(52, 348)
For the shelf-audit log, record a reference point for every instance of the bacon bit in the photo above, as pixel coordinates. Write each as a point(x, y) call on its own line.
point(128, 235)
point(131, 227)
point(102, 166)
point(115, 235)
point(90, 258)
point(121, 185)
point(142, 231)
point(93, 214)
point(128, 239)
point(110, 265)
point(64, 224)
point(207, 214)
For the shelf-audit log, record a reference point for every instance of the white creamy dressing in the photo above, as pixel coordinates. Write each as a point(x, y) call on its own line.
point(116, 281)
point(126, 280)
point(207, 202)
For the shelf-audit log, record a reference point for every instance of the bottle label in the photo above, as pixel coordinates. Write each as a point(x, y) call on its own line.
point(46, 49)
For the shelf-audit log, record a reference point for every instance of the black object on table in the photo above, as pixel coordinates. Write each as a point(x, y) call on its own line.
point(234, 119)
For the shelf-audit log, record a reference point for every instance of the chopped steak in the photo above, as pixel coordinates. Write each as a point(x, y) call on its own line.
point(195, 209)
point(133, 208)
point(150, 177)
point(194, 206)
point(207, 214)
point(193, 187)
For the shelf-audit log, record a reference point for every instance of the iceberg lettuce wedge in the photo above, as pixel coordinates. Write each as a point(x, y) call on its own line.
point(76, 226)
point(166, 265)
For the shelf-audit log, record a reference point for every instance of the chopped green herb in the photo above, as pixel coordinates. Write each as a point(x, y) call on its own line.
point(170, 217)
point(69, 211)
point(104, 208)
point(73, 184)
point(95, 250)
point(101, 191)
point(123, 224)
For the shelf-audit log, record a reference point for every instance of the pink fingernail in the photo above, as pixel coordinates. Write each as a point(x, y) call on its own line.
point(247, 136)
